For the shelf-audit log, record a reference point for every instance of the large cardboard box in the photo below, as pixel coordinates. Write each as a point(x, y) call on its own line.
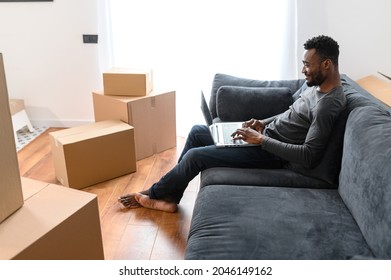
point(93, 153)
point(55, 223)
point(378, 87)
point(127, 82)
point(153, 118)
point(11, 197)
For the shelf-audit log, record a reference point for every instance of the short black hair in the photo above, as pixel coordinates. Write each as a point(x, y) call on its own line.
point(326, 47)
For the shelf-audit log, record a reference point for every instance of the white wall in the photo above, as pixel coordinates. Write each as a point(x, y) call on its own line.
point(360, 27)
point(47, 63)
point(49, 67)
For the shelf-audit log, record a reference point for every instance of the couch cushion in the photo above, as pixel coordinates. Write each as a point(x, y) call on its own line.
point(365, 181)
point(258, 177)
point(239, 222)
point(244, 103)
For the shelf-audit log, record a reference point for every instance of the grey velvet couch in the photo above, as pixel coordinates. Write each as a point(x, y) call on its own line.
point(340, 209)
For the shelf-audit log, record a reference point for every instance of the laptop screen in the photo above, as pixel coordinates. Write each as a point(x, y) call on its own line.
point(205, 110)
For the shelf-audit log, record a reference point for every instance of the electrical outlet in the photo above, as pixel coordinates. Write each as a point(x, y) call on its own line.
point(90, 39)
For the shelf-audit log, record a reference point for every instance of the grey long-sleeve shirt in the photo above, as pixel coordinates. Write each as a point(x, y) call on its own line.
point(300, 134)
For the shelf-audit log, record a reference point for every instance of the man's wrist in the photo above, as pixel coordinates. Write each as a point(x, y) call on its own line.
point(260, 139)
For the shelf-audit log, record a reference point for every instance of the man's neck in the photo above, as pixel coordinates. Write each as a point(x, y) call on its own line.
point(331, 83)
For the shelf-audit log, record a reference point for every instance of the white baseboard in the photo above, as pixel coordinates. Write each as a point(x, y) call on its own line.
point(181, 131)
point(60, 123)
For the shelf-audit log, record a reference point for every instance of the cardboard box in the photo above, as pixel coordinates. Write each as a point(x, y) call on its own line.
point(153, 119)
point(55, 223)
point(11, 196)
point(19, 116)
point(16, 105)
point(127, 82)
point(378, 87)
point(93, 153)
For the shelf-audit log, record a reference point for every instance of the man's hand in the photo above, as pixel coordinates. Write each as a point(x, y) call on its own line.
point(254, 124)
point(248, 134)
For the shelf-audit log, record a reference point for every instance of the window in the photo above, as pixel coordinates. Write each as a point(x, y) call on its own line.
point(186, 42)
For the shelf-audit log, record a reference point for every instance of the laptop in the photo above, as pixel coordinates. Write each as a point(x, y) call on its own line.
point(205, 110)
point(221, 132)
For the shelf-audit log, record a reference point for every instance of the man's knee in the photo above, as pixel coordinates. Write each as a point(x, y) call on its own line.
point(195, 159)
point(191, 155)
point(197, 129)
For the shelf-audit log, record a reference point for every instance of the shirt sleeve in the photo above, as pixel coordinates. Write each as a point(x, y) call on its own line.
point(270, 119)
point(311, 151)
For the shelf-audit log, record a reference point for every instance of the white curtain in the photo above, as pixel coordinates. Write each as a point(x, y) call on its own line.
point(185, 42)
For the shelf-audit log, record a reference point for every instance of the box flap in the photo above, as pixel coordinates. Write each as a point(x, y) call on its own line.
point(31, 187)
point(97, 129)
point(109, 107)
point(16, 105)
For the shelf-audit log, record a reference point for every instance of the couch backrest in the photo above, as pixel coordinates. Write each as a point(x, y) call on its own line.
point(365, 180)
point(296, 87)
point(351, 86)
point(228, 80)
point(329, 167)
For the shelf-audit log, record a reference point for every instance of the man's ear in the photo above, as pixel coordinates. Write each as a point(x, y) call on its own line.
point(327, 63)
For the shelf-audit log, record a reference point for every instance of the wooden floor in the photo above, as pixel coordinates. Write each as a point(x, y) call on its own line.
point(137, 234)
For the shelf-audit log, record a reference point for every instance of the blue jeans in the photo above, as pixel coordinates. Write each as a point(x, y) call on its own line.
point(200, 153)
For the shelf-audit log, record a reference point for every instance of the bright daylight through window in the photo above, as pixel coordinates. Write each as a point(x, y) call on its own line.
point(187, 42)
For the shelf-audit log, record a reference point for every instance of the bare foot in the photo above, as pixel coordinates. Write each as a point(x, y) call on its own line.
point(155, 204)
point(129, 201)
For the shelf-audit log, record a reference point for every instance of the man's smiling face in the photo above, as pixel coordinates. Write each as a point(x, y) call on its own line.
point(313, 68)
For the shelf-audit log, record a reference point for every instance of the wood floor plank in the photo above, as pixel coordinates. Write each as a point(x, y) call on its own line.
point(113, 226)
point(35, 152)
point(127, 234)
point(137, 243)
point(170, 242)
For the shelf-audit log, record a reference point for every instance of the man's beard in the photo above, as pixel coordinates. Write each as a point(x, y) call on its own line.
point(316, 80)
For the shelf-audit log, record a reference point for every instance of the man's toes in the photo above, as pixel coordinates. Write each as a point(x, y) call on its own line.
point(124, 198)
point(128, 201)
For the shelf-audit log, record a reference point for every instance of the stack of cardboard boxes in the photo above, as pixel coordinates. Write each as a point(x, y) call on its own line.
point(129, 96)
point(40, 220)
point(132, 122)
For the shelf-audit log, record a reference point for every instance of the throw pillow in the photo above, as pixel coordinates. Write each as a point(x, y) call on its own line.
point(221, 79)
point(236, 103)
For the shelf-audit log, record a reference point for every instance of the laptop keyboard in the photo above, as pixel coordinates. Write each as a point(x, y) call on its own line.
point(227, 132)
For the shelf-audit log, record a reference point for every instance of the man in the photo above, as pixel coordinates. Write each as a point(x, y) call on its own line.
point(298, 135)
